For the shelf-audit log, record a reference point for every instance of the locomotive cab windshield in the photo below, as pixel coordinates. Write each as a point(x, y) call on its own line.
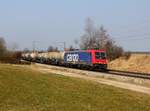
point(100, 55)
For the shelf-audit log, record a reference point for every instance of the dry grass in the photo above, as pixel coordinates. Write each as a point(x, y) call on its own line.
point(136, 63)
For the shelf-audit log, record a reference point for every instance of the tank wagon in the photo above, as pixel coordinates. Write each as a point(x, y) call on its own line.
point(81, 58)
point(53, 58)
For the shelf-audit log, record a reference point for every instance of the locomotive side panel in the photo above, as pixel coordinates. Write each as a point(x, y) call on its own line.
point(78, 57)
point(85, 58)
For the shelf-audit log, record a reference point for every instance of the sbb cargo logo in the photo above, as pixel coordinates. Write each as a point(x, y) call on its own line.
point(72, 57)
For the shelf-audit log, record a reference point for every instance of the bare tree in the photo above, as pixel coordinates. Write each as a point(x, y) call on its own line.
point(87, 40)
point(97, 38)
point(93, 38)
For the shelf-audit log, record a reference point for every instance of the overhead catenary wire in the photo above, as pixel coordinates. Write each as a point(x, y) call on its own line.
point(133, 38)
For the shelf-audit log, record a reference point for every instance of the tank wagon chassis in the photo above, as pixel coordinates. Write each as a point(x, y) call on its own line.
point(87, 59)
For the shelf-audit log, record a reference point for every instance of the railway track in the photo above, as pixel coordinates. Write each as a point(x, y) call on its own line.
point(116, 72)
point(128, 74)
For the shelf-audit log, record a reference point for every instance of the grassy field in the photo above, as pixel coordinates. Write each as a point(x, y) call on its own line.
point(22, 89)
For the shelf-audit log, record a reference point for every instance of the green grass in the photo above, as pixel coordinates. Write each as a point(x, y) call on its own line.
point(22, 89)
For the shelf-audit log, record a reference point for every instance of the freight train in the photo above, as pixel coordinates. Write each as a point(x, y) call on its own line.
point(89, 59)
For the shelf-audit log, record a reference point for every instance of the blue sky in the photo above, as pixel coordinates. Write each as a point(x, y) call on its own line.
point(52, 21)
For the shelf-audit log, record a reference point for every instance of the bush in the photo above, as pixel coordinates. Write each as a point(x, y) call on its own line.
point(3, 49)
point(11, 57)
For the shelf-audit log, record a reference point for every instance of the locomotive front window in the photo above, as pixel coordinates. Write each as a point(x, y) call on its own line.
point(100, 55)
